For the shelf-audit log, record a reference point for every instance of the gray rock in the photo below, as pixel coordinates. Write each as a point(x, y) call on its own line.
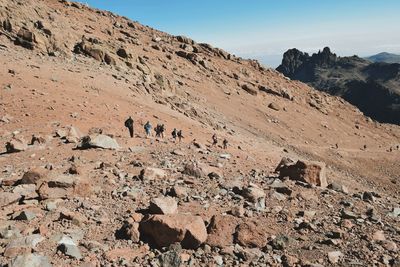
point(30, 260)
point(22, 244)
point(69, 248)
point(28, 191)
point(98, 141)
point(334, 256)
point(25, 215)
point(71, 251)
point(172, 258)
point(346, 214)
point(395, 212)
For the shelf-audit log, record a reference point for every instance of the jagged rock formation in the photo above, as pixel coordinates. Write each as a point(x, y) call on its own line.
point(372, 87)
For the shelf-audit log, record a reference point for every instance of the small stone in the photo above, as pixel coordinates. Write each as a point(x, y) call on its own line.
point(219, 260)
point(25, 215)
point(334, 256)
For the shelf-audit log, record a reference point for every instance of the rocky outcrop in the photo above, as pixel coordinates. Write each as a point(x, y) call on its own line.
point(372, 87)
point(313, 173)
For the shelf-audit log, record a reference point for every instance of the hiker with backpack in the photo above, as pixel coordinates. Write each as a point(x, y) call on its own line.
point(129, 125)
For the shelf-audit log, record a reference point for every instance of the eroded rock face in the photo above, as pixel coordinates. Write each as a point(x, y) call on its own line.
point(306, 171)
point(164, 230)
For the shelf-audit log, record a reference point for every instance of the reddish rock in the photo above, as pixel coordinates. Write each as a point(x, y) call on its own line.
point(165, 230)
point(252, 234)
point(221, 230)
point(306, 171)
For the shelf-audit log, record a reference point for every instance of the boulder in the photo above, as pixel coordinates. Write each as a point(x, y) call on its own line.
point(98, 141)
point(163, 205)
point(31, 260)
point(8, 198)
point(253, 193)
point(16, 145)
point(251, 234)
point(33, 176)
point(221, 230)
point(274, 106)
point(152, 174)
point(22, 245)
point(164, 230)
point(306, 171)
point(195, 170)
point(123, 53)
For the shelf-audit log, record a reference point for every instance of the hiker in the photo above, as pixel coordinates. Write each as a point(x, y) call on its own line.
point(214, 139)
point(160, 130)
point(174, 134)
point(180, 135)
point(129, 125)
point(225, 143)
point(147, 127)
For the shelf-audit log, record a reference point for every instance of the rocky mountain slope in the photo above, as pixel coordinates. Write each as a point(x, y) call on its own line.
point(76, 190)
point(372, 87)
point(385, 57)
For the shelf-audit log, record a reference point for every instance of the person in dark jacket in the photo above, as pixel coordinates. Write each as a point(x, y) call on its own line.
point(129, 125)
point(180, 135)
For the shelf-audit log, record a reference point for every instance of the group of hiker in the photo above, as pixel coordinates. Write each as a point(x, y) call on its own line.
point(160, 129)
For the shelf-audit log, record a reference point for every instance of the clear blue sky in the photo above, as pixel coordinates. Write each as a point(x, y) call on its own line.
point(264, 29)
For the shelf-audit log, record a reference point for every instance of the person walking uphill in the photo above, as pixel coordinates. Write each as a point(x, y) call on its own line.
point(147, 127)
point(129, 125)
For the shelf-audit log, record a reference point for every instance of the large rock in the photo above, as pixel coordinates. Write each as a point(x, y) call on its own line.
point(150, 173)
point(195, 170)
point(251, 234)
point(8, 198)
point(16, 145)
point(221, 230)
point(22, 245)
point(163, 205)
point(98, 141)
point(31, 260)
point(64, 186)
point(253, 193)
point(306, 171)
point(164, 230)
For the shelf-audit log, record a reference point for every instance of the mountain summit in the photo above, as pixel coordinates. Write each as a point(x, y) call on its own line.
point(372, 87)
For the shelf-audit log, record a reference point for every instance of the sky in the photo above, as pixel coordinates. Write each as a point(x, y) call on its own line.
point(265, 29)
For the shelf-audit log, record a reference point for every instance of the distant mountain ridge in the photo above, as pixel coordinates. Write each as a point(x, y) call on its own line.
point(385, 57)
point(373, 87)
